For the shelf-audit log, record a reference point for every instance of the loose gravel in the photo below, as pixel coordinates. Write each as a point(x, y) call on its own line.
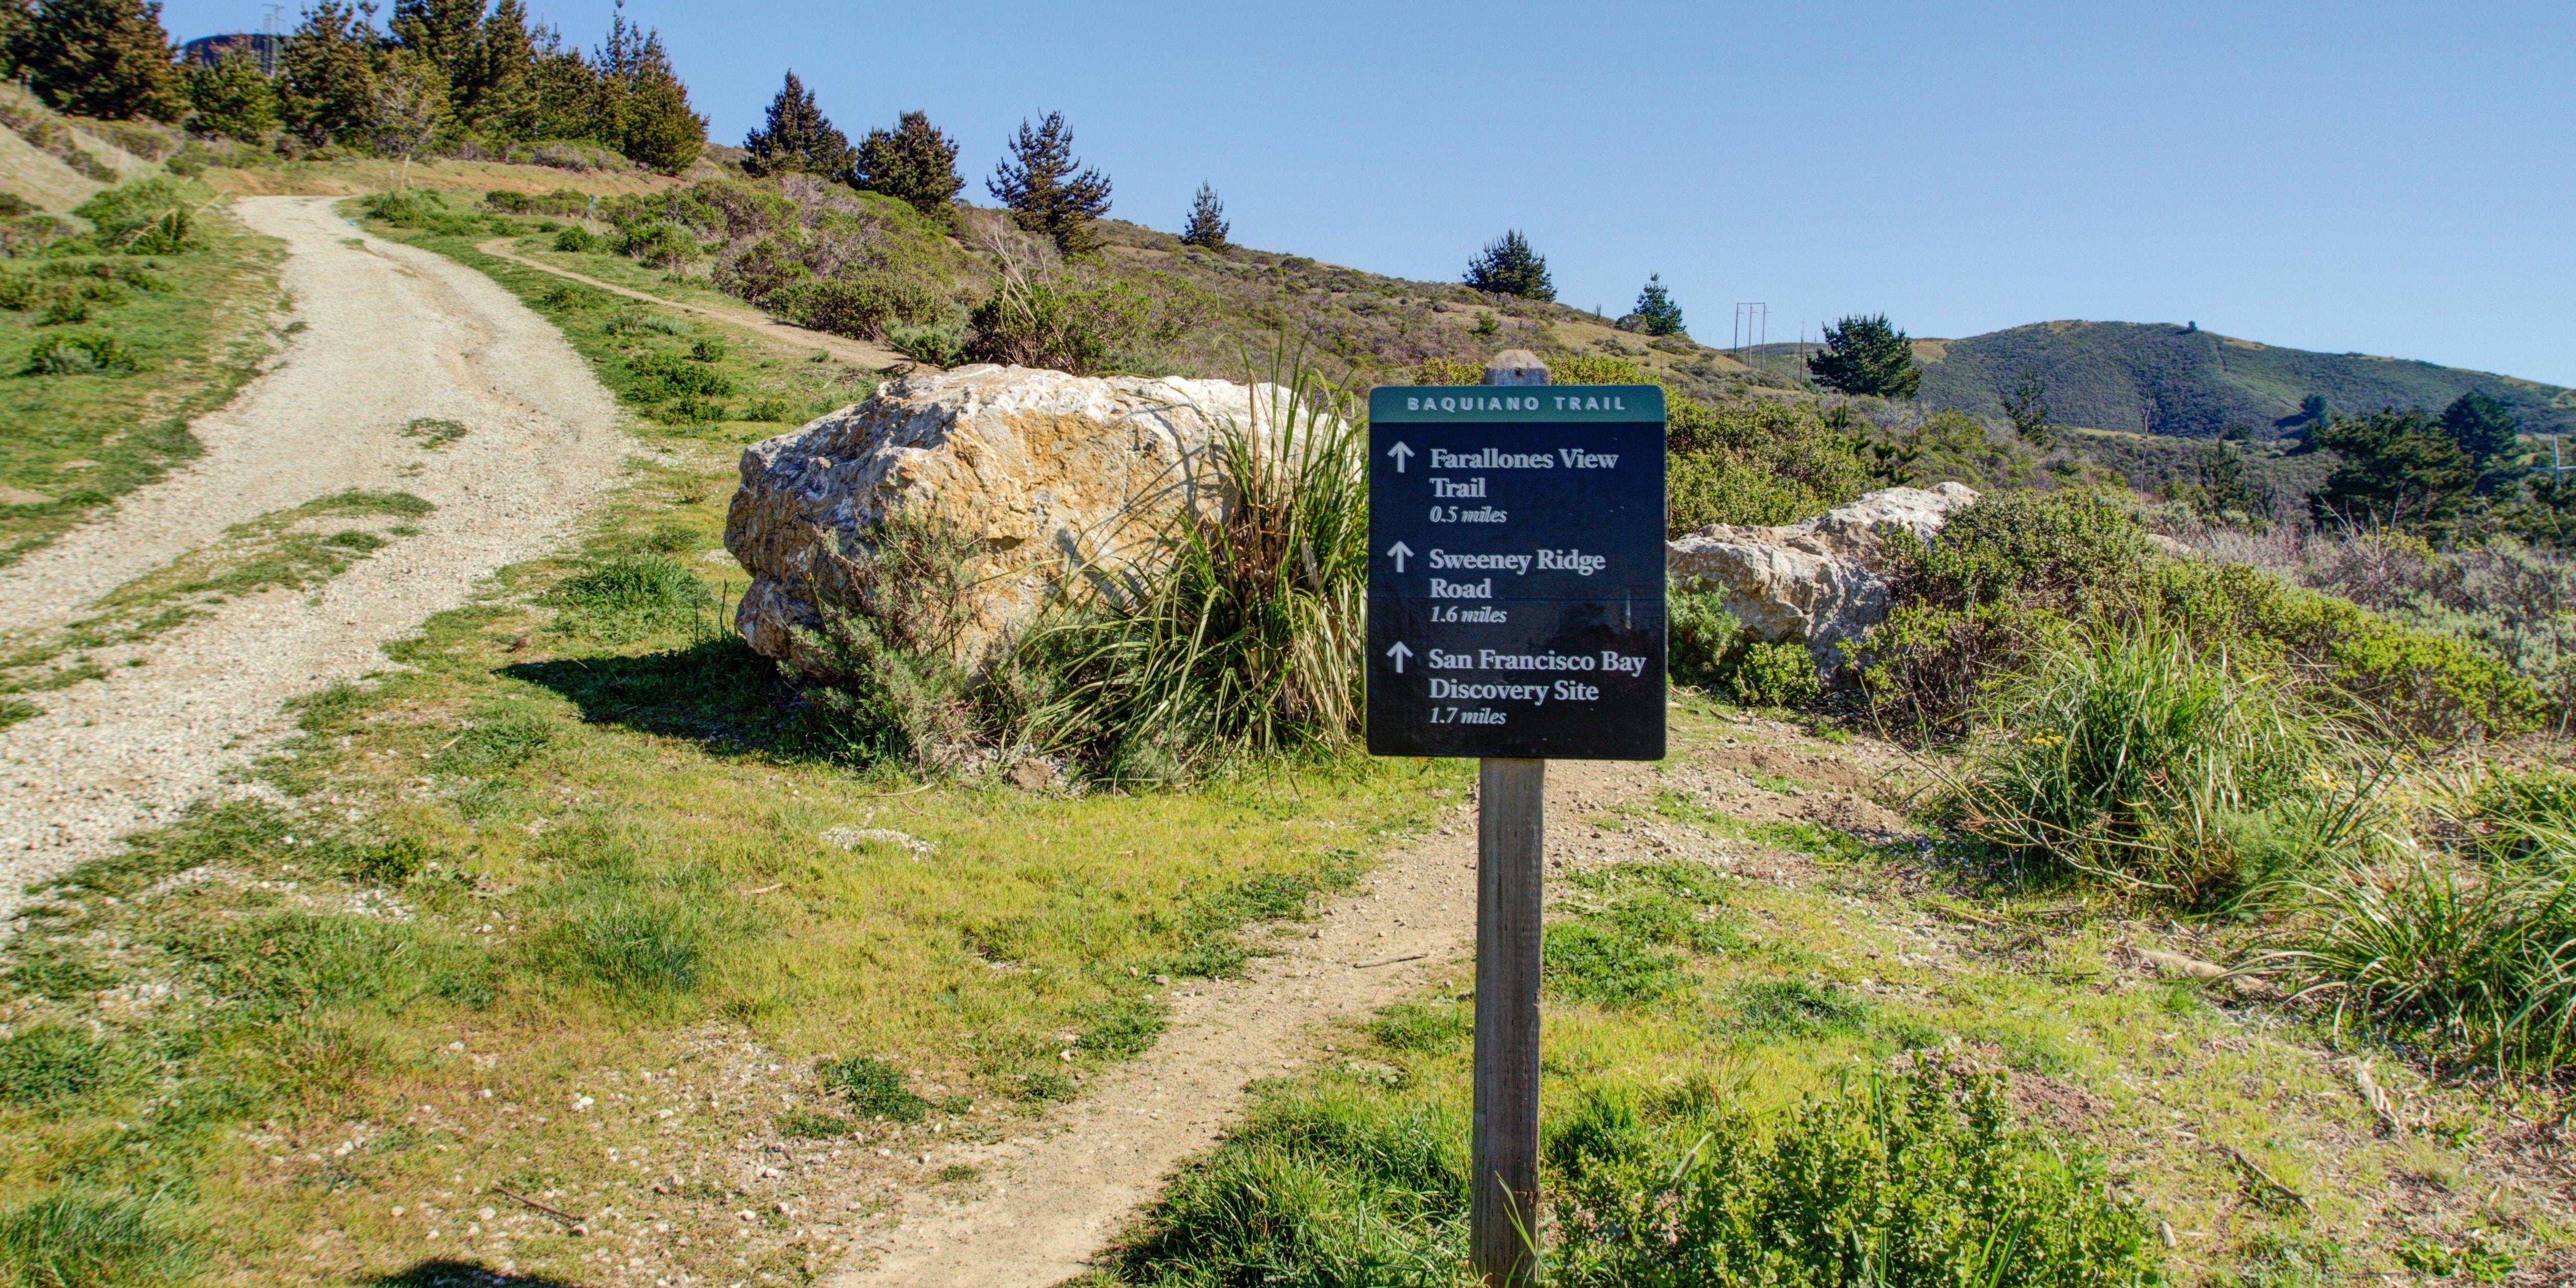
point(392, 334)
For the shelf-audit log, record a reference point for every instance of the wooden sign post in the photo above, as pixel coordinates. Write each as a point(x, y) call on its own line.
point(1516, 613)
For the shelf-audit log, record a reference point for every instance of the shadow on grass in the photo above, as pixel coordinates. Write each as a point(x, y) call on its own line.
point(716, 692)
point(443, 1273)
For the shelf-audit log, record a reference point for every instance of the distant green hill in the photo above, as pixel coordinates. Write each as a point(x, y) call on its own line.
point(2173, 380)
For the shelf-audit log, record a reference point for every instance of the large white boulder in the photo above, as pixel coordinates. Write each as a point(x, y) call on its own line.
point(1058, 477)
point(1818, 581)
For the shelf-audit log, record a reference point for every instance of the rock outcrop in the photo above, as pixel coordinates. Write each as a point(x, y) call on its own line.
point(1055, 475)
point(1818, 581)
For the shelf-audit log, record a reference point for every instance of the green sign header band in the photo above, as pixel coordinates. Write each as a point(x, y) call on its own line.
point(1458, 404)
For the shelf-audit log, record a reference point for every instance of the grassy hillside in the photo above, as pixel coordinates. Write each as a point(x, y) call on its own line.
point(2162, 379)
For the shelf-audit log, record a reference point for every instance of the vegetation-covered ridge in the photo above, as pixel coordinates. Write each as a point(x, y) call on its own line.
point(2179, 380)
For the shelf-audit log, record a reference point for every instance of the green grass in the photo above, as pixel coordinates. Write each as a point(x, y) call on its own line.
point(196, 325)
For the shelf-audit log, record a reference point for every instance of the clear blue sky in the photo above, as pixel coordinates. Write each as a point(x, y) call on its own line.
point(2390, 178)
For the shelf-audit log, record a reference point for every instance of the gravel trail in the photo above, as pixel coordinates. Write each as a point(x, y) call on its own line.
point(392, 334)
point(1054, 1197)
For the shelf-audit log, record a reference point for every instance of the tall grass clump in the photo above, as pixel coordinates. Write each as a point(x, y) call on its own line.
point(2474, 961)
point(2139, 758)
point(1244, 635)
point(72, 1240)
point(1912, 1179)
point(629, 597)
point(1327, 1185)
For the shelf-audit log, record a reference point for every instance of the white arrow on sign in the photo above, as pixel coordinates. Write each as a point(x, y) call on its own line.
point(1399, 552)
point(1399, 652)
point(1401, 453)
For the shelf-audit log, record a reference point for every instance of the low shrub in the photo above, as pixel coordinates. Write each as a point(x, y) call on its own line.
point(1699, 632)
point(932, 345)
point(147, 217)
point(659, 243)
point(77, 354)
point(874, 1088)
point(882, 658)
point(1919, 1179)
point(405, 207)
point(579, 241)
point(863, 303)
point(2139, 758)
point(1779, 674)
point(2013, 577)
point(1068, 322)
point(561, 201)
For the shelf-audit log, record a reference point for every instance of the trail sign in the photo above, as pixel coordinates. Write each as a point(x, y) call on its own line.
point(1516, 572)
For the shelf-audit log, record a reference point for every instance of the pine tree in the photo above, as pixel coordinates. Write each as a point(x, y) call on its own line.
point(2481, 426)
point(445, 32)
point(2026, 406)
point(1509, 267)
point(327, 74)
point(1867, 355)
point(660, 130)
point(498, 97)
point(566, 95)
point(231, 99)
point(798, 138)
point(913, 163)
point(1207, 226)
point(104, 58)
point(409, 105)
point(1047, 190)
point(1656, 313)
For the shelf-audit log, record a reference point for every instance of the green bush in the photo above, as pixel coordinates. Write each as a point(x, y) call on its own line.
point(578, 241)
point(880, 661)
point(147, 216)
point(73, 354)
point(2016, 575)
point(657, 242)
point(863, 303)
point(661, 377)
point(932, 345)
point(1699, 632)
point(2138, 758)
point(874, 1088)
point(1073, 324)
point(1919, 1179)
point(405, 207)
point(1774, 675)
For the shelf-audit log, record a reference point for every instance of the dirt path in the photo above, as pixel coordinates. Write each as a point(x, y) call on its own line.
point(856, 352)
point(1052, 1200)
point(392, 334)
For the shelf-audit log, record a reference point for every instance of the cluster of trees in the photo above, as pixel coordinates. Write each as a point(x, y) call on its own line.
point(1046, 187)
point(441, 71)
point(2414, 469)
